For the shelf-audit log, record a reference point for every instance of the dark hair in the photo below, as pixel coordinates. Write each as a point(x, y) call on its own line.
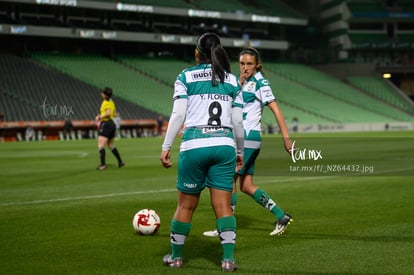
point(107, 91)
point(255, 53)
point(211, 51)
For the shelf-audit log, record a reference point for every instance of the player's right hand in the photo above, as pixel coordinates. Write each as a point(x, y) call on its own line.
point(165, 159)
point(243, 77)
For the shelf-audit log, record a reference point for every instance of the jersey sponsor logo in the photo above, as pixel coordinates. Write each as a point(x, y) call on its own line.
point(267, 92)
point(190, 185)
point(206, 75)
point(202, 75)
point(265, 82)
point(209, 130)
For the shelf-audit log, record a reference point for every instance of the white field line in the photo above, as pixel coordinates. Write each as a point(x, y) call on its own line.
point(86, 197)
point(33, 202)
point(294, 179)
point(80, 154)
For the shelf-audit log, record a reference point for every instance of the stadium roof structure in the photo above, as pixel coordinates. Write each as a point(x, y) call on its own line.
point(157, 11)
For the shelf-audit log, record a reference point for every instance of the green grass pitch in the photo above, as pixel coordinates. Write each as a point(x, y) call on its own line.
point(58, 215)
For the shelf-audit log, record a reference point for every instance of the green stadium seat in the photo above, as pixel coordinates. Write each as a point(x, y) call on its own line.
point(378, 88)
point(330, 96)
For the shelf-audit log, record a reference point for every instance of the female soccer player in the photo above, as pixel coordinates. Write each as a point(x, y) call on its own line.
point(207, 100)
point(107, 129)
point(257, 92)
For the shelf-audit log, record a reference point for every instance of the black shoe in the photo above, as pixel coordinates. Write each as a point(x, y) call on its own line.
point(121, 164)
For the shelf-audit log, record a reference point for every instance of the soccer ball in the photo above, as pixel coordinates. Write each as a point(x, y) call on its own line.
point(146, 222)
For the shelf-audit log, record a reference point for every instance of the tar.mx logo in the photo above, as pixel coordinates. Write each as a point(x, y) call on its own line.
point(56, 110)
point(304, 154)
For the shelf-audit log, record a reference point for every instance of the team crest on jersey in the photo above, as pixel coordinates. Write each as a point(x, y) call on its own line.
point(251, 86)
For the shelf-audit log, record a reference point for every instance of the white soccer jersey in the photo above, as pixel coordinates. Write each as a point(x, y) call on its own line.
point(209, 107)
point(257, 93)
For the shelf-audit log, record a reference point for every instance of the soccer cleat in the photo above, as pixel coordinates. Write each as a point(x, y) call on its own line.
point(281, 225)
point(175, 263)
point(228, 266)
point(121, 164)
point(101, 167)
point(212, 233)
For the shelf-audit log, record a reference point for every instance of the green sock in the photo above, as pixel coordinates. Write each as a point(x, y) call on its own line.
point(233, 201)
point(226, 227)
point(178, 234)
point(264, 200)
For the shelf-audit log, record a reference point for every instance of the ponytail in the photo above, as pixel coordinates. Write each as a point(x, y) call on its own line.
point(211, 51)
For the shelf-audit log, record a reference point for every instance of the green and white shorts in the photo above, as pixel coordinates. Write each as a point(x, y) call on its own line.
point(212, 167)
point(252, 144)
point(250, 156)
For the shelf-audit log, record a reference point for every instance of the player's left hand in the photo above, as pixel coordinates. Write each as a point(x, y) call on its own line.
point(239, 163)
